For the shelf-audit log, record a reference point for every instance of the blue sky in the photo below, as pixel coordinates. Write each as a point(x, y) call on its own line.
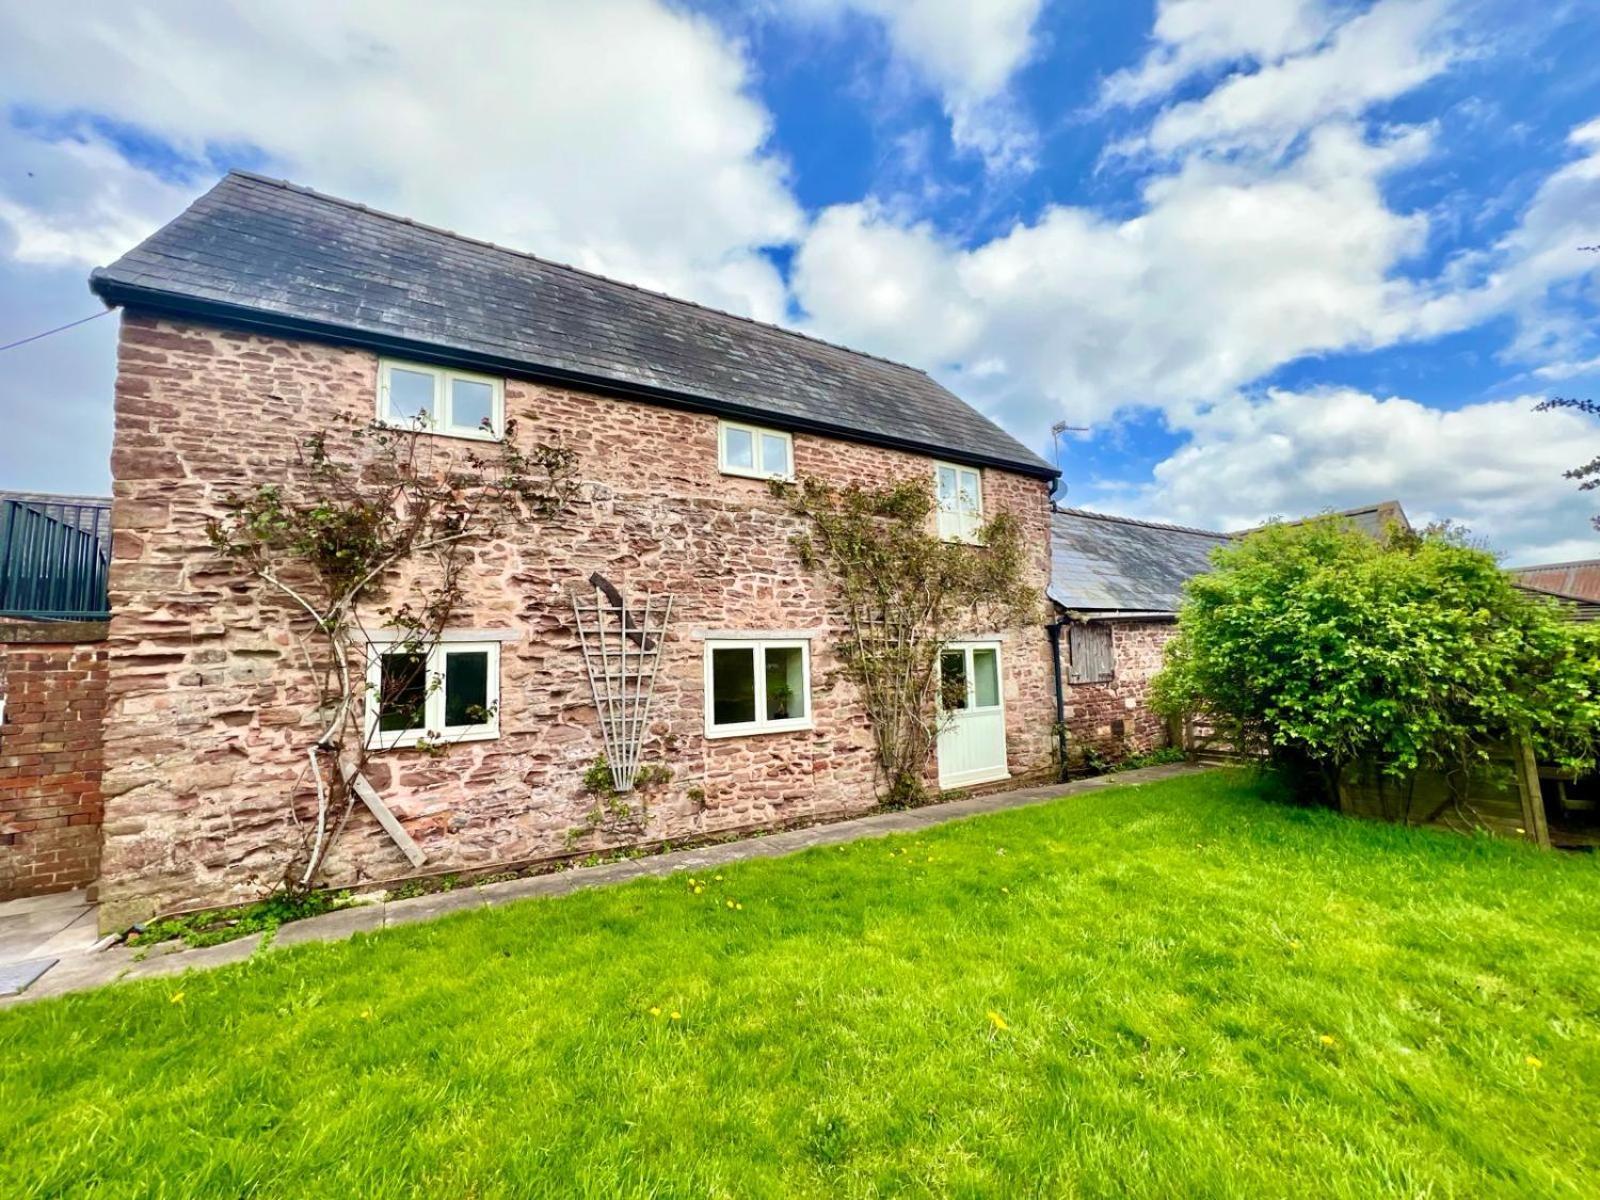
point(1276, 255)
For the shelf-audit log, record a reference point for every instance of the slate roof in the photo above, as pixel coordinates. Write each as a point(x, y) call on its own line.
point(1101, 563)
point(270, 254)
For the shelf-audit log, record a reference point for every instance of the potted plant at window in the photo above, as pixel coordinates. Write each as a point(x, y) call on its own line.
point(779, 694)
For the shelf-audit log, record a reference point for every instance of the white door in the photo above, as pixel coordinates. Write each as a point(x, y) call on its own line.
point(972, 733)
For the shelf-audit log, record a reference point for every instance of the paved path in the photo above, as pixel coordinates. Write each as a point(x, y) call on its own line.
point(38, 931)
point(79, 971)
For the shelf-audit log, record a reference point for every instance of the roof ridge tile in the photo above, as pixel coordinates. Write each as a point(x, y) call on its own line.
point(1102, 516)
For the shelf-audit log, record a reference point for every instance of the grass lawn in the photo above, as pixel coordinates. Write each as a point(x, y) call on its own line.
point(1179, 989)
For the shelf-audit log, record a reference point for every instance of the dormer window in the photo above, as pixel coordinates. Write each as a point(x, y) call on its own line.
point(440, 400)
point(753, 451)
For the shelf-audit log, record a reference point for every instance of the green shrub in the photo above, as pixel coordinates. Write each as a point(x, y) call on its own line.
point(1320, 647)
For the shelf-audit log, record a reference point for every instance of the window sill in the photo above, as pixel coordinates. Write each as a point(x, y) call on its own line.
point(459, 435)
point(741, 473)
point(409, 739)
point(732, 731)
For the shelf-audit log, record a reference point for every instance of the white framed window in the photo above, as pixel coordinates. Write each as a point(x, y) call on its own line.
point(753, 451)
point(757, 686)
point(458, 403)
point(960, 502)
point(448, 693)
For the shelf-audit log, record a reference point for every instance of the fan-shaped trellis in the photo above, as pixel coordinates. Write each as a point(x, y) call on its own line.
point(621, 650)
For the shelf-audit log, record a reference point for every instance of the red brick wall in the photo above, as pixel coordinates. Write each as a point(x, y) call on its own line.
point(50, 756)
point(1093, 709)
point(209, 715)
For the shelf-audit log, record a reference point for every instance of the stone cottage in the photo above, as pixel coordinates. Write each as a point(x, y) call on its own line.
point(265, 311)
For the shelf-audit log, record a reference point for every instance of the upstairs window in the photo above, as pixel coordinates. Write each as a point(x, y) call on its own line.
point(960, 502)
point(753, 451)
point(449, 693)
point(415, 396)
point(757, 687)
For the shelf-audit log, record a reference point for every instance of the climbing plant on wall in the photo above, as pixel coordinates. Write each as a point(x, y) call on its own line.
point(903, 595)
point(364, 544)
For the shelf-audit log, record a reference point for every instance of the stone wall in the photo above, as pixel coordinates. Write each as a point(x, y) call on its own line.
point(53, 680)
point(208, 724)
point(1114, 718)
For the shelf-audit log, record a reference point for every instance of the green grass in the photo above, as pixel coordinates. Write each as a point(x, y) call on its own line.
point(1196, 991)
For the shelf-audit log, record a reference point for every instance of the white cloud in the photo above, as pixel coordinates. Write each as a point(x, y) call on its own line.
point(1494, 466)
point(1195, 35)
point(619, 134)
point(1375, 56)
point(1538, 272)
point(78, 202)
point(1227, 273)
point(969, 53)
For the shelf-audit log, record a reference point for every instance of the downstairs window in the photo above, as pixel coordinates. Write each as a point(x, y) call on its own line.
point(757, 687)
point(450, 693)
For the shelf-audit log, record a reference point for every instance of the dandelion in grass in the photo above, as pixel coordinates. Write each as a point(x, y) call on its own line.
point(366, 1014)
point(677, 1016)
point(177, 997)
point(1328, 1039)
point(740, 907)
point(730, 903)
point(1535, 1063)
point(655, 1010)
point(998, 1021)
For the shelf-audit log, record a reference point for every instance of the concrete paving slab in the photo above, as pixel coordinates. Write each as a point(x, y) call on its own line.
point(194, 960)
point(77, 898)
point(425, 908)
point(79, 937)
point(26, 934)
point(330, 926)
point(17, 977)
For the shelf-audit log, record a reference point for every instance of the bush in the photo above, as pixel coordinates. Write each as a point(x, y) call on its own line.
point(1319, 647)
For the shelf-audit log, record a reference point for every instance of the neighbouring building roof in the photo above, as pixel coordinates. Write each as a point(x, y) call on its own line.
point(270, 255)
point(1102, 563)
point(92, 514)
point(1578, 608)
point(54, 556)
point(1371, 519)
point(1578, 580)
